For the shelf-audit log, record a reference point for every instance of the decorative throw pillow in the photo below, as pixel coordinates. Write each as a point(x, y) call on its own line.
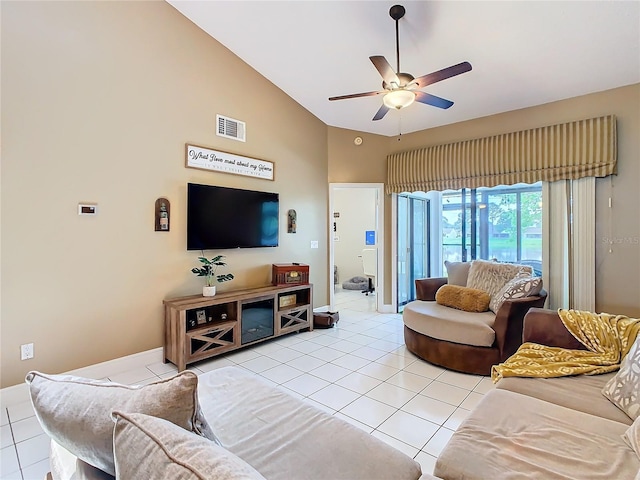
point(492, 276)
point(516, 288)
point(463, 298)
point(75, 411)
point(623, 390)
point(148, 448)
point(457, 272)
point(632, 436)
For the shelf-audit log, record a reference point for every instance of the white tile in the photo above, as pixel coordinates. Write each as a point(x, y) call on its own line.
point(335, 396)
point(327, 354)
point(37, 471)
point(341, 334)
point(281, 373)
point(395, 443)
point(351, 362)
point(153, 379)
point(288, 340)
point(391, 395)
point(6, 439)
point(260, 364)
point(330, 372)
point(132, 377)
point(306, 347)
point(358, 382)
point(319, 405)
point(408, 428)
point(306, 363)
point(396, 361)
point(436, 443)
point(462, 380)
point(456, 418)
point(425, 369)
point(25, 429)
point(445, 392)
point(4, 418)
point(284, 355)
point(426, 461)
point(379, 371)
point(242, 356)
point(404, 351)
point(264, 348)
point(354, 422)
point(368, 411)
point(485, 386)
point(159, 368)
point(472, 400)
point(430, 409)
point(324, 340)
point(20, 411)
point(362, 340)
point(214, 364)
point(33, 450)
point(306, 384)
point(345, 346)
point(385, 345)
point(368, 353)
point(410, 381)
point(8, 461)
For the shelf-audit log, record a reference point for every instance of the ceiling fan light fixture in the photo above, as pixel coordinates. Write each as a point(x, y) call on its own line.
point(399, 99)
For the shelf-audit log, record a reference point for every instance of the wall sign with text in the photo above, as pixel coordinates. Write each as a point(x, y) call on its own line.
point(208, 159)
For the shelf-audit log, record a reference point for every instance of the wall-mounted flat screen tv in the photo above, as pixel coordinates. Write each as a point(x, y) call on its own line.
point(221, 217)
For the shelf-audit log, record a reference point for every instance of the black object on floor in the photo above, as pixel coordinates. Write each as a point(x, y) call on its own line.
point(325, 319)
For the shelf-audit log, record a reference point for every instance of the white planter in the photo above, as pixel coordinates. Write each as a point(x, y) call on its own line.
point(208, 291)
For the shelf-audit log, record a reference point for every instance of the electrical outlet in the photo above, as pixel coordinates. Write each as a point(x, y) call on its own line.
point(26, 351)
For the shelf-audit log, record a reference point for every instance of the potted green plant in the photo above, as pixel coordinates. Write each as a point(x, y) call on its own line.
point(208, 269)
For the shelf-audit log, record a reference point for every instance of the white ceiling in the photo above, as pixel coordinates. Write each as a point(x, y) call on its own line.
point(523, 53)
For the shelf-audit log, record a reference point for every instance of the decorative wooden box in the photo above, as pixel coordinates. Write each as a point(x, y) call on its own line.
point(290, 274)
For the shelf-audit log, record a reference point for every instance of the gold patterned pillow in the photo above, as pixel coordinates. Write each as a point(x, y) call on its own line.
point(147, 447)
point(623, 390)
point(463, 298)
point(516, 288)
point(76, 411)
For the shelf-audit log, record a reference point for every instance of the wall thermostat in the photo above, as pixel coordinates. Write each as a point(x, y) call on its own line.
point(357, 140)
point(87, 208)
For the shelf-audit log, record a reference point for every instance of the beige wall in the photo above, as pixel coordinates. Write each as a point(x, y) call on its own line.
point(618, 272)
point(98, 101)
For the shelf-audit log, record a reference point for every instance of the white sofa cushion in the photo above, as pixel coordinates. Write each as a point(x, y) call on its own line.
point(624, 389)
point(450, 324)
point(149, 448)
point(76, 412)
point(285, 438)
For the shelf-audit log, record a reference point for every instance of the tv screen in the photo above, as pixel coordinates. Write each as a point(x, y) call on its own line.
point(221, 217)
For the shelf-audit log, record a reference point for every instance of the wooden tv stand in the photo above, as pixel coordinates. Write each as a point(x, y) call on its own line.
point(197, 327)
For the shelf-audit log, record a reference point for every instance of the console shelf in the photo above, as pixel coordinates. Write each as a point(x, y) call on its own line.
point(197, 327)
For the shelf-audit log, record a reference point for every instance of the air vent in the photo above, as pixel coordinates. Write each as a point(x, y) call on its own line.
point(231, 128)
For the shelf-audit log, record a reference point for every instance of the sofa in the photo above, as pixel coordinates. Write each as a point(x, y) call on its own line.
point(253, 430)
point(544, 427)
point(471, 341)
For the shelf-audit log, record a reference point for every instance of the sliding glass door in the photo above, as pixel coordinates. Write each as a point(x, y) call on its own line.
point(413, 245)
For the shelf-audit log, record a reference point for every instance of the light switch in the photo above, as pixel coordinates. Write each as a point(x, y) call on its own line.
point(314, 244)
point(87, 208)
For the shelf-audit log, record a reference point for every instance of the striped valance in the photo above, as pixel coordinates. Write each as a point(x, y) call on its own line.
point(558, 152)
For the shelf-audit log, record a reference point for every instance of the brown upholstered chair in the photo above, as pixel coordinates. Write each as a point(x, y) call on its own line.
point(467, 358)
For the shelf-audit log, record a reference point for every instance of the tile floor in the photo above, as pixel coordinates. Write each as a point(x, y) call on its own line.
point(359, 371)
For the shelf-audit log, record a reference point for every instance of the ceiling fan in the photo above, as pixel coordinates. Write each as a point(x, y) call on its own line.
point(401, 89)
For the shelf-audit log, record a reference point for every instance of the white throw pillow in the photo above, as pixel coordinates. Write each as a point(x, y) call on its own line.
point(520, 287)
point(457, 272)
point(623, 390)
point(632, 436)
point(150, 448)
point(76, 412)
point(492, 276)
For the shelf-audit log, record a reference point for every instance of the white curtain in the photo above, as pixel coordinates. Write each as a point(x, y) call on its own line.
point(568, 242)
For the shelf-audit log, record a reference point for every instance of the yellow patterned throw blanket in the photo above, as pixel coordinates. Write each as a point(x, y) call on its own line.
point(608, 338)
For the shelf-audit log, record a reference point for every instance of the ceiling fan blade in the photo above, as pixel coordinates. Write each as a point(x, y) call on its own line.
point(356, 95)
point(381, 112)
point(432, 100)
point(383, 67)
point(443, 74)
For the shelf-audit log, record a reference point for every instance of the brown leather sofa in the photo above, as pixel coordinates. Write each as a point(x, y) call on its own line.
point(468, 358)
